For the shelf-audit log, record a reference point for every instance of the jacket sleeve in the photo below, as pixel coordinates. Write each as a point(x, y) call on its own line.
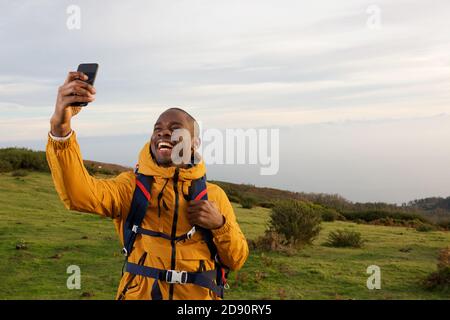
point(80, 191)
point(231, 244)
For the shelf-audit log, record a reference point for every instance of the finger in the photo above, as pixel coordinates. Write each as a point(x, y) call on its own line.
point(192, 210)
point(72, 75)
point(71, 99)
point(75, 88)
point(76, 91)
point(82, 84)
point(197, 203)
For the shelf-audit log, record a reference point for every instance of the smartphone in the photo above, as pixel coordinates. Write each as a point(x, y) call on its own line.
point(89, 69)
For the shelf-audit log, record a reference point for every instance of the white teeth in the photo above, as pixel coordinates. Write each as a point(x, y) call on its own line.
point(164, 145)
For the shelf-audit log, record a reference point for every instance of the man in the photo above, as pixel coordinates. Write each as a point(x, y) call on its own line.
point(170, 212)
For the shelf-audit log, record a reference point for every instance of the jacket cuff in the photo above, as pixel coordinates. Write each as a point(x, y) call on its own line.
point(60, 143)
point(60, 138)
point(222, 230)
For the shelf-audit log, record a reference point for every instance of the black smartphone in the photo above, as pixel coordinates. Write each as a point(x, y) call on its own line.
point(89, 69)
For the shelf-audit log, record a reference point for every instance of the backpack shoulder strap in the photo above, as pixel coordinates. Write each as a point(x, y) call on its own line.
point(198, 191)
point(138, 209)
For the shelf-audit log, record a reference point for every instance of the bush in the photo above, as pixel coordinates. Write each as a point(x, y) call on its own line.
point(425, 227)
point(247, 202)
point(268, 205)
point(22, 158)
point(440, 279)
point(272, 241)
point(234, 198)
point(331, 215)
point(19, 173)
point(5, 166)
point(344, 238)
point(297, 221)
point(445, 224)
point(373, 215)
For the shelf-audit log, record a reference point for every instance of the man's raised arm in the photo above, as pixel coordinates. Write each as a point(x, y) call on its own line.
point(76, 188)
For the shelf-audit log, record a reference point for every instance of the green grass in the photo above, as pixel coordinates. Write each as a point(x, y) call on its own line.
point(30, 211)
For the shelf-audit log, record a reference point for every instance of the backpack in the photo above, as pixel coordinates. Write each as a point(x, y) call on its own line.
point(214, 280)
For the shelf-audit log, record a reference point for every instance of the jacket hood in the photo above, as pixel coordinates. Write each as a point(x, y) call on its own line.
point(149, 167)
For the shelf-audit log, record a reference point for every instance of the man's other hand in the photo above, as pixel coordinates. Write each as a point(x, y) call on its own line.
point(204, 213)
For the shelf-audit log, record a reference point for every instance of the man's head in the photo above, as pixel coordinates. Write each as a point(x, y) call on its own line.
point(170, 121)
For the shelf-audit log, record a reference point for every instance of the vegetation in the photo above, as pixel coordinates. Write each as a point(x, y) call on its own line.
point(297, 221)
point(19, 173)
point(433, 210)
point(440, 279)
point(22, 158)
point(40, 239)
point(247, 202)
point(344, 238)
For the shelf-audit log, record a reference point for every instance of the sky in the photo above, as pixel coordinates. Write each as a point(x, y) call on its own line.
point(358, 89)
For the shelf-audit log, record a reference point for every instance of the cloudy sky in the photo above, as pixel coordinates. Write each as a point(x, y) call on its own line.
point(358, 89)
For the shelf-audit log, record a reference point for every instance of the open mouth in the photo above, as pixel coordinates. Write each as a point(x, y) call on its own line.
point(164, 146)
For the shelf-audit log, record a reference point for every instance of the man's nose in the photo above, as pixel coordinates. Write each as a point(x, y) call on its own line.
point(165, 133)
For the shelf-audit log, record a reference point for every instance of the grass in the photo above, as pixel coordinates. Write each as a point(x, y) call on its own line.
point(32, 214)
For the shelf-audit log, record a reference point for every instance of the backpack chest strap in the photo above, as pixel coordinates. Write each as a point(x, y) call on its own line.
point(204, 279)
point(188, 235)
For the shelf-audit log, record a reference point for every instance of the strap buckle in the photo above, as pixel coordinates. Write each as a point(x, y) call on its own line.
point(125, 252)
point(191, 233)
point(173, 276)
point(135, 228)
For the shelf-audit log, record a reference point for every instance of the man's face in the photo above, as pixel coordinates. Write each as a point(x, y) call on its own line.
point(161, 144)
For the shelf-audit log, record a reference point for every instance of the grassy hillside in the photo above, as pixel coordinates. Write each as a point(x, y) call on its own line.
point(32, 215)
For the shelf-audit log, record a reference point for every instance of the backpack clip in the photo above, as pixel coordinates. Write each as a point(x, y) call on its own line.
point(191, 232)
point(173, 276)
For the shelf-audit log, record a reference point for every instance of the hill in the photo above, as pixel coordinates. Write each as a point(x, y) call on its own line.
point(40, 238)
point(429, 211)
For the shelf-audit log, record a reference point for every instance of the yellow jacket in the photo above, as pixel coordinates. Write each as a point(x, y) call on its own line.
point(112, 197)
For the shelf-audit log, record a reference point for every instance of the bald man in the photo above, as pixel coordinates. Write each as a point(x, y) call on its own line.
point(185, 243)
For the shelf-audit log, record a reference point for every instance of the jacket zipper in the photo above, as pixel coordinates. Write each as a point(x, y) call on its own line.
point(174, 230)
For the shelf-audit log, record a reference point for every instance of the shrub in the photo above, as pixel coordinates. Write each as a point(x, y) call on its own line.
point(425, 227)
point(22, 158)
point(331, 215)
point(297, 221)
point(445, 224)
point(19, 173)
point(268, 205)
point(247, 202)
point(344, 238)
point(234, 198)
point(373, 215)
point(272, 241)
point(440, 279)
point(5, 166)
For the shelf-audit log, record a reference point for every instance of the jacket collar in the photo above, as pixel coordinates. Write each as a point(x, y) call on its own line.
point(149, 167)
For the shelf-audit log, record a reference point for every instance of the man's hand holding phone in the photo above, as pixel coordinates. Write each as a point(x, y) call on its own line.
point(71, 95)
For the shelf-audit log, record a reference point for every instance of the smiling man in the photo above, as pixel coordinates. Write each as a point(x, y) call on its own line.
point(179, 233)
